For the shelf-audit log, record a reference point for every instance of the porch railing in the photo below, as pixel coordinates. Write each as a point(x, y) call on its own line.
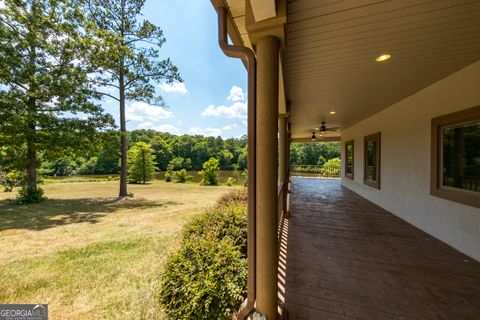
point(323, 171)
point(283, 215)
point(471, 183)
point(282, 200)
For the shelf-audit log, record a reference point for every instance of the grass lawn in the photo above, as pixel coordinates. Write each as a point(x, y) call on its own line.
point(90, 255)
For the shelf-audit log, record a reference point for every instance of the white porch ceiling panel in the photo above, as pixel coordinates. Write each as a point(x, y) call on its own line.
point(329, 62)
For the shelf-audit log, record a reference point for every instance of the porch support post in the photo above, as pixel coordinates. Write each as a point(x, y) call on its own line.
point(282, 158)
point(282, 144)
point(267, 175)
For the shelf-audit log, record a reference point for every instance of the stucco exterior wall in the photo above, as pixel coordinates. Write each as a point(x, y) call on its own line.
point(405, 160)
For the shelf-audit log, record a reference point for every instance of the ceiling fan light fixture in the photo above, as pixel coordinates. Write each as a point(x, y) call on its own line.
point(313, 136)
point(383, 57)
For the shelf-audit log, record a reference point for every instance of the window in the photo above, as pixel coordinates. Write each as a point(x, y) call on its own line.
point(349, 159)
point(456, 157)
point(371, 172)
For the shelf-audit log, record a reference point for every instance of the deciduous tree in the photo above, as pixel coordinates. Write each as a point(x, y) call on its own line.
point(209, 173)
point(141, 162)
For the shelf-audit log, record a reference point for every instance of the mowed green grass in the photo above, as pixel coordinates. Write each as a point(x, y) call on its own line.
point(90, 255)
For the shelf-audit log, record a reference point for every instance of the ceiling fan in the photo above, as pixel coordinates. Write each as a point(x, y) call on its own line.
point(322, 130)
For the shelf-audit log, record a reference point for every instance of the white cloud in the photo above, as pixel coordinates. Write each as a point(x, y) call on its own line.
point(229, 127)
point(161, 128)
point(208, 131)
point(142, 111)
point(236, 110)
point(178, 87)
point(236, 94)
point(245, 123)
point(145, 125)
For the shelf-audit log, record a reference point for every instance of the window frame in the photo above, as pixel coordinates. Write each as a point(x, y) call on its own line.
point(350, 175)
point(373, 137)
point(436, 188)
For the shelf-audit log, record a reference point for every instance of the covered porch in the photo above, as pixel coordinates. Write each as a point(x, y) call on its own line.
point(343, 257)
point(397, 83)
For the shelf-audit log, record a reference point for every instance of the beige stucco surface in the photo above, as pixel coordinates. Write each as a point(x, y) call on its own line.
point(405, 160)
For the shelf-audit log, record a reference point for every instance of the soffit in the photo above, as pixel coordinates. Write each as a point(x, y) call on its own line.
point(329, 61)
point(237, 12)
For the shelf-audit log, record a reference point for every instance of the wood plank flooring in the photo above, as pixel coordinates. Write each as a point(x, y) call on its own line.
point(342, 257)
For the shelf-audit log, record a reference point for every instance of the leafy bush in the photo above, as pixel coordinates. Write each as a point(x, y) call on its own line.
point(321, 160)
point(245, 175)
point(209, 173)
point(11, 179)
point(169, 174)
point(181, 163)
point(333, 162)
point(181, 176)
point(235, 195)
point(228, 220)
point(60, 167)
point(207, 277)
point(230, 181)
point(331, 168)
point(30, 195)
point(204, 280)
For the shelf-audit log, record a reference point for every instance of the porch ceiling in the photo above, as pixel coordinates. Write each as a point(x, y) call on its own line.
point(237, 12)
point(329, 61)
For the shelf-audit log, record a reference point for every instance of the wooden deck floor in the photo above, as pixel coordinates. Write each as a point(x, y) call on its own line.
point(343, 257)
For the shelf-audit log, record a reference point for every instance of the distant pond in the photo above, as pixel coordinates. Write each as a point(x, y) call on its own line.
point(223, 176)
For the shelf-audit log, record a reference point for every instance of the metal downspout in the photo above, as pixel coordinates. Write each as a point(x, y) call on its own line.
point(247, 56)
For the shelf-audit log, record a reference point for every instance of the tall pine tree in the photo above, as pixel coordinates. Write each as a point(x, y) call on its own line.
point(128, 61)
point(45, 101)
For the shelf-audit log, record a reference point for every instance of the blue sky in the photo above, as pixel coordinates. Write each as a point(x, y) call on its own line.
point(212, 99)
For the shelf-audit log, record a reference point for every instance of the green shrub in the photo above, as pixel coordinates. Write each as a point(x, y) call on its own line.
point(209, 174)
point(11, 179)
point(245, 175)
point(230, 181)
point(228, 220)
point(181, 176)
point(235, 195)
point(30, 195)
point(169, 173)
point(207, 277)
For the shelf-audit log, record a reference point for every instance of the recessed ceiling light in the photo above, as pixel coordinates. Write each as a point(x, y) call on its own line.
point(383, 57)
point(332, 112)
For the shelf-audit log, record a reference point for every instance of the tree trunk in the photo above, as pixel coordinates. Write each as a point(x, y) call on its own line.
point(31, 148)
point(123, 137)
point(32, 110)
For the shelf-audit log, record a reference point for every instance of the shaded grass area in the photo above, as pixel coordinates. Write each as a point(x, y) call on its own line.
point(90, 255)
point(57, 212)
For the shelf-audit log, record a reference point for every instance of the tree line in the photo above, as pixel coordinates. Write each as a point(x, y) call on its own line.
point(314, 153)
point(182, 152)
point(188, 152)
